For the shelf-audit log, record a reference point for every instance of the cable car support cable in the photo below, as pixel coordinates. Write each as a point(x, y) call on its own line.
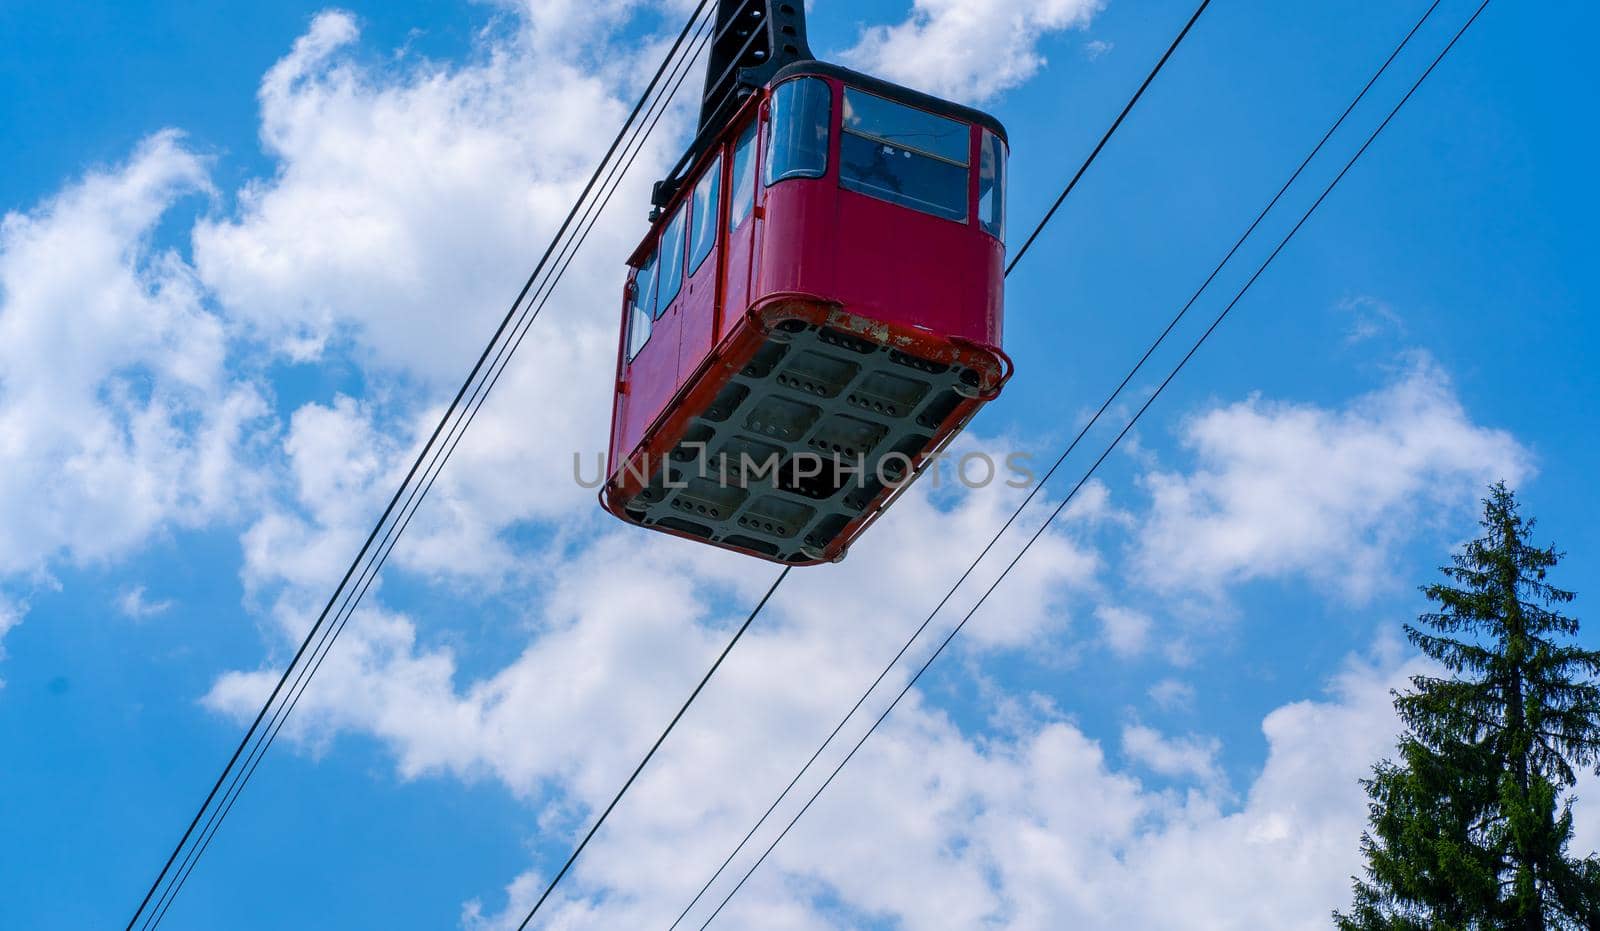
point(589, 835)
point(456, 416)
point(1061, 198)
point(1061, 459)
point(418, 493)
point(1089, 473)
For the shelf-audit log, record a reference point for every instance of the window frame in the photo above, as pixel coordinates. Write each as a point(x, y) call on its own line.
point(749, 141)
point(640, 305)
point(713, 176)
point(664, 300)
point(773, 127)
point(966, 166)
point(1002, 153)
point(966, 128)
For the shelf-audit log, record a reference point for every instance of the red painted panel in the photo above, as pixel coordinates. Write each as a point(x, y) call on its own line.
point(740, 249)
point(652, 378)
point(797, 238)
point(945, 284)
point(881, 260)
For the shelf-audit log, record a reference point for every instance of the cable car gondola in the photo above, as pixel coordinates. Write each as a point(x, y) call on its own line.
point(816, 309)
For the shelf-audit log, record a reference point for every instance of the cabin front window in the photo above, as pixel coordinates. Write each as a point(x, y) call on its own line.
point(798, 144)
point(641, 298)
point(904, 155)
point(992, 185)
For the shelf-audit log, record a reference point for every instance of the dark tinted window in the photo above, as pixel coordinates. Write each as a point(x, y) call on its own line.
point(992, 185)
point(744, 178)
point(703, 232)
point(904, 155)
point(671, 278)
point(903, 177)
point(907, 127)
point(799, 144)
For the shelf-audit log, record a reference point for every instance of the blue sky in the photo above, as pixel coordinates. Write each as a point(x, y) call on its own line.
point(248, 250)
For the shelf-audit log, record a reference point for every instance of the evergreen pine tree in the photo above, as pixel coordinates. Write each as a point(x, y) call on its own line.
point(1469, 829)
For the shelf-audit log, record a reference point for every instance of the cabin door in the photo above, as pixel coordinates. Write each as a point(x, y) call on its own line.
point(653, 335)
point(698, 303)
point(740, 228)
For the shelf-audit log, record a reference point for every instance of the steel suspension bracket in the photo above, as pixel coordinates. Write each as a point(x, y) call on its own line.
point(751, 40)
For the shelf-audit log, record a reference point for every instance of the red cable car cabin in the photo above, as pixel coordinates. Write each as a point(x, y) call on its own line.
point(815, 312)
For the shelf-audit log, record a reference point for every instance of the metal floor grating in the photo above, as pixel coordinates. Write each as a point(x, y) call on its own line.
point(798, 443)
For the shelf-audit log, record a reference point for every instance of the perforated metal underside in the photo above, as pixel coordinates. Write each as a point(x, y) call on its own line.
point(800, 442)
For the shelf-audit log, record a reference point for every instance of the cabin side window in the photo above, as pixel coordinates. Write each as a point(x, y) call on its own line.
point(744, 178)
point(904, 155)
point(798, 146)
point(671, 267)
point(703, 231)
point(992, 185)
point(640, 299)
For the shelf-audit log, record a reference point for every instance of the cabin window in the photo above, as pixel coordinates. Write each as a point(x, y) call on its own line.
point(640, 300)
point(744, 178)
point(904, 155)
point(703, 231)
point(798, 147)
point(992, 185)
point(671, 276)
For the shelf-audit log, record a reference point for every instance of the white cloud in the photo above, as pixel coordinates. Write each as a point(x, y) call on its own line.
point(10, 616)
point(932, 829)
point(1370, 317)
point(407, 207)
point(1095, 49)
point(409, 203)
point(1286, 489)
point(133, 604)
point(968, 50)
point(1022, 830)
point(1172, 695)
point(118, 417)
point(651, 633)
point(1190, 757)
point(1126, 632)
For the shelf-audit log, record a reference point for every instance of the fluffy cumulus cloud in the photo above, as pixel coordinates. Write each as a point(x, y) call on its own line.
point(1283, 489)
point(1036, 825)
point(1190, 756)
point(1126, 632)
point(409, 199)
point(969, 50)
point(1032, 829)
point(1172, 695)
point(1028, 827)
point(118, 414)
point(826, 630)
point(408, 207)
point(408, 204)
